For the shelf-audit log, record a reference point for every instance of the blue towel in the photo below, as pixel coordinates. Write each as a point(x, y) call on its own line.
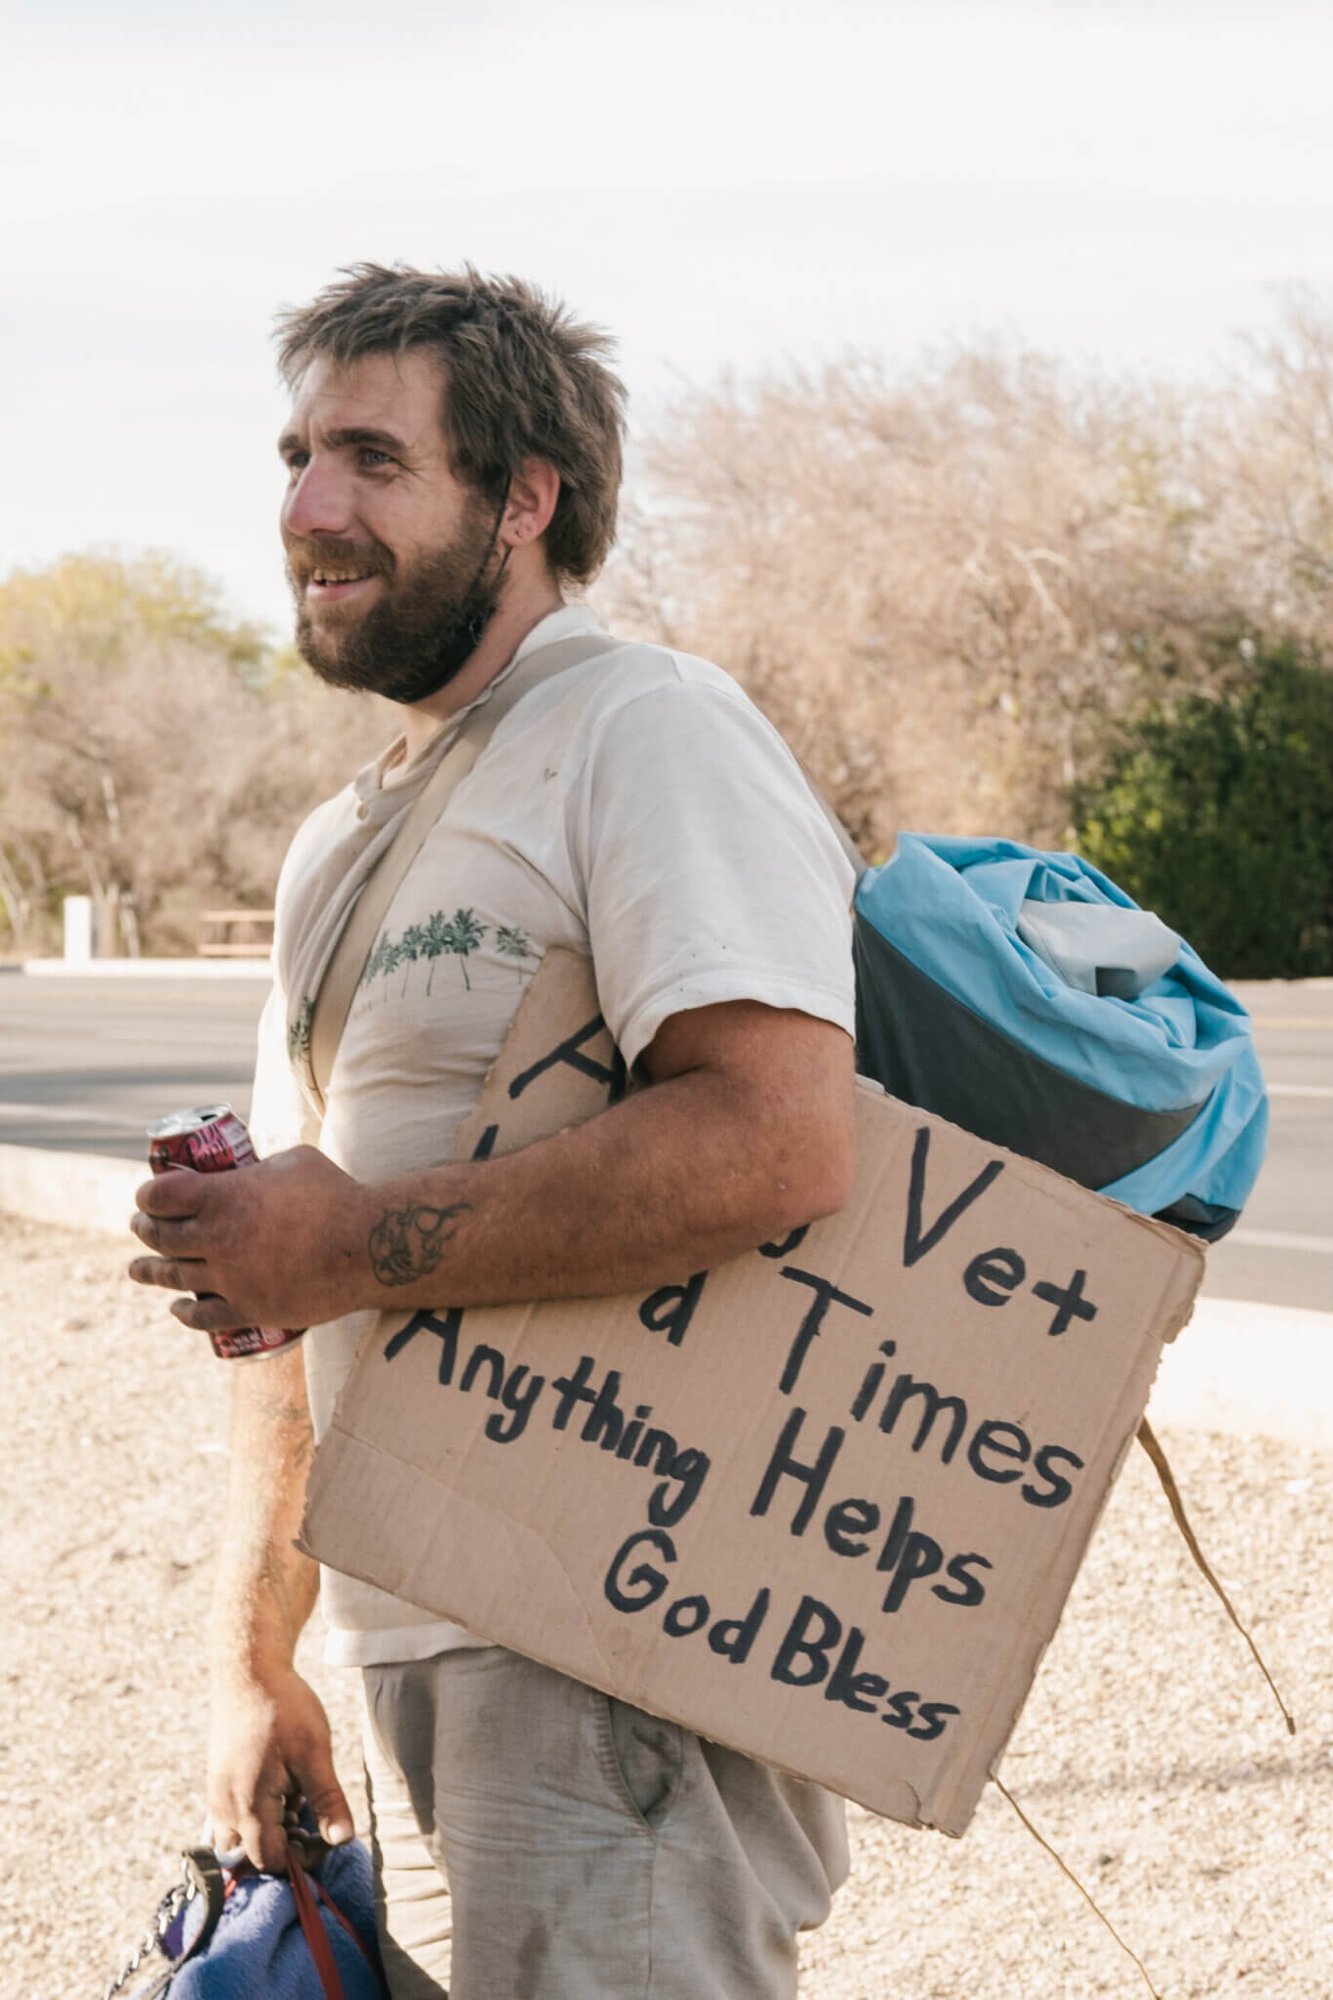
point(1154, 1097)
point(258, 1947)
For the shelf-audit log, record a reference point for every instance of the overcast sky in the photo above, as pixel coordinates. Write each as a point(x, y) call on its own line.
point(724, 185)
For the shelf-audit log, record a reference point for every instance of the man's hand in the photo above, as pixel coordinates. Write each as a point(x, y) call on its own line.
point(269, 1748)
point(282, 1243)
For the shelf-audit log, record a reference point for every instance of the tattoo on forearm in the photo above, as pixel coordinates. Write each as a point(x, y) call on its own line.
point(302, 1447)
point(286, 1577)
point(407, 1243)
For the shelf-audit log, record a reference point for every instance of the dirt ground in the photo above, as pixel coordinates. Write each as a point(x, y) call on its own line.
point(1150, 1754)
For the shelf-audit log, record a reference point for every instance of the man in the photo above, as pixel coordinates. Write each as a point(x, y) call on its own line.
point(453, 455)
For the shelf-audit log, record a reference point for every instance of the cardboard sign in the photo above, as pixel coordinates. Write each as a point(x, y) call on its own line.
point(823, 1504)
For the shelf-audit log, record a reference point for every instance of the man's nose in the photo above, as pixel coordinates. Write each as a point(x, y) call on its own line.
point(319, 502)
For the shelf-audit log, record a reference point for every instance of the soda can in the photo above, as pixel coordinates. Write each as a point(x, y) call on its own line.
point(211, 1140)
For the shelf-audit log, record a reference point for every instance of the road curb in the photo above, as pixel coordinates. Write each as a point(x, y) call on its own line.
point(1238, 1367)
point(1250, 1369)
point(144, 968)
point(71, 1190)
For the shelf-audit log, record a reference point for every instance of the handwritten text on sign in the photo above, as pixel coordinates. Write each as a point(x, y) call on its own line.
point(844, 1480)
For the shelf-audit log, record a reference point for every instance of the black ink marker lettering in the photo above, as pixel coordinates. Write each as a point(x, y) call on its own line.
point(690, 1467)
point(686, 1615)
point(647, 1583)
point(570, 1052)
point(1068, 1300)
point(1004, 1441)
point(932, 1402)
point(485, 1146)
point(854, 1690)
point(849, 1518)
point(429, 1322)
point(813, 1477)
point(485, 1357)
point(670, 1309)
point(916, 1244)
point(800, 1638)
point(605, 1420)
point(572, 1390)
point(633, 1429)
point(788, 1243)
point(869, 1389)
point(732, 1638)
point(826, 1294)
point(1058, 1488)
point(934, 1714)
point(921, 1557)
point(659, 1446)
point(990, 1278)
point(518, 1396)
point(899, 1529)
point(959, 1569)
point(898, 1713)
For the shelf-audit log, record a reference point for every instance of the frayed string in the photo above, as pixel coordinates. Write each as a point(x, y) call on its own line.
point(1148, 1439)
point(1067, 1871)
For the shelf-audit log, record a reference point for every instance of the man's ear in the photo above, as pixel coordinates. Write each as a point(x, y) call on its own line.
point(533, 492)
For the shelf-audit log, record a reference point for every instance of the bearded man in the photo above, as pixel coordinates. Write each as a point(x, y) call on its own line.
point(454, 458)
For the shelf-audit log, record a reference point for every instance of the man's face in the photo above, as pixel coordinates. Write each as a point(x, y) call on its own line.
point(390, 558)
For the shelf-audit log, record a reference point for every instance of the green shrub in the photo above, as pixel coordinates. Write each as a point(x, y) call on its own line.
point(1216, 811)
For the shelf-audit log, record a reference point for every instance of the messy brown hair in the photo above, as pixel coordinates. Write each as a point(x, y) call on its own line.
point(524, 379)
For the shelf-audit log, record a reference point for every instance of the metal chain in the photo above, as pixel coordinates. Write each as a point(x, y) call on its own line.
point(176, 1899)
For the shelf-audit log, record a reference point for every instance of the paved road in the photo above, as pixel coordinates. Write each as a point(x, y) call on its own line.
point(86, 1063)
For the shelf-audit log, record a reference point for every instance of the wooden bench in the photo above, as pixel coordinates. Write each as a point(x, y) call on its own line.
point(235, 933)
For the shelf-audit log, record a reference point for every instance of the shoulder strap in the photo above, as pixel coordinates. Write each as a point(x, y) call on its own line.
point(334, 999)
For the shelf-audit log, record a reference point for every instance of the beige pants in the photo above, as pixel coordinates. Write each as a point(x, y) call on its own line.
point(591, 1851)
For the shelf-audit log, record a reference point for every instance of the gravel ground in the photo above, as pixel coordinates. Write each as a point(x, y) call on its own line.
point(1150, 1754)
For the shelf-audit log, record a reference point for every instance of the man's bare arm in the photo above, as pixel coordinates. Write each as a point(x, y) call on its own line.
point(265, 1588)
point(747, 1133)
point(269, 1741)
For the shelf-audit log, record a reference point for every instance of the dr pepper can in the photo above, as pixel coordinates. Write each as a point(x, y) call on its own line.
point(212, 1140)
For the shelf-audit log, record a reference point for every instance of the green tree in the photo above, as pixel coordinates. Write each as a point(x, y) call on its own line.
point(154, 752)
point(1216, 811)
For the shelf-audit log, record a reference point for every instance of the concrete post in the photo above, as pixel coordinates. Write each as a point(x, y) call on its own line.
point(78, 930)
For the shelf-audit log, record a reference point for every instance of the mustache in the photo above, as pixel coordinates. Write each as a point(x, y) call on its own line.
point(308, 553)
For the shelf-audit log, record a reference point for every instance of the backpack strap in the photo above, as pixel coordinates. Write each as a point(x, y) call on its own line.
point(334, 1000)
point(313, 1931)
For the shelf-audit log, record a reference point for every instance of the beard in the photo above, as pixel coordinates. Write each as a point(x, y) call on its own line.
point(426, 624)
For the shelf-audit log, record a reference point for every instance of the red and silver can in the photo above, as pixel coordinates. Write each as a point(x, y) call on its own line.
point(210, 1141)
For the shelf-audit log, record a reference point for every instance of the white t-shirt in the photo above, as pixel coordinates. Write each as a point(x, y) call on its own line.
point(638, 809)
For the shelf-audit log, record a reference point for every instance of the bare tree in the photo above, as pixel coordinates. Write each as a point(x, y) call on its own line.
point(944, 585)
point(156, 756)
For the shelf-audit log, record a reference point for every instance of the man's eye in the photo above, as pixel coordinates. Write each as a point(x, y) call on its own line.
point(373, 459)
point(296, 461)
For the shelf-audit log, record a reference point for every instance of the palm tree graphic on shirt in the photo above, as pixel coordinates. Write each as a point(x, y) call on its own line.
point(462, 935)
point(511, 942)
point(410, 947)
point(378, 961)
point(439, 936)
